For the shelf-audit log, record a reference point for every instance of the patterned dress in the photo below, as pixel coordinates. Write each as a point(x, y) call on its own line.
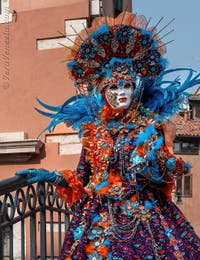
point(120, 194)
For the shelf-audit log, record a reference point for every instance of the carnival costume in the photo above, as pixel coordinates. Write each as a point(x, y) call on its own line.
point(121, 190)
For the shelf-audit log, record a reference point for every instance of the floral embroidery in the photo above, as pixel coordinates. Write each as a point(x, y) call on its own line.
point(88, 51)
point(145, 41)
point(129, 207)
point(124, 33)
point(104, 38)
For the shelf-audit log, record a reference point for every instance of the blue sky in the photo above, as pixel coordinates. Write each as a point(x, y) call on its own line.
point(185, 50)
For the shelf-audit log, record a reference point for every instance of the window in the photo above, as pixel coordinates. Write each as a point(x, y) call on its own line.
point(197, 111)
point(184, 186)
point(101, 7)
point(5, 15)
point(186, 146)
point(118, 7)
point(187, 191)
point(95, 7)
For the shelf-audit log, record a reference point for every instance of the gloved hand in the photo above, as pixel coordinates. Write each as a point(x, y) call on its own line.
point(42, 175)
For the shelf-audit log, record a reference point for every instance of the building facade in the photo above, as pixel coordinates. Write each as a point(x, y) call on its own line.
point(32, 53)
point(187, 145)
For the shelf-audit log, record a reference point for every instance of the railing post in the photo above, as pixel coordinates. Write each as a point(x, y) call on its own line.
point(59, 229)
point(51, 234)
point(43, 247)
point(22, 241)
point(11, 242)
point(33, 240)
point(1, 232)
point(42, 200)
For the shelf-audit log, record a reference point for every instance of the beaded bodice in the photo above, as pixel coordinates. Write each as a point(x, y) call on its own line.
point(114, 153)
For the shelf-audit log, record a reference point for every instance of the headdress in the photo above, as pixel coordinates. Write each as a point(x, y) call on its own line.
point(113, 49)
point(119, 48)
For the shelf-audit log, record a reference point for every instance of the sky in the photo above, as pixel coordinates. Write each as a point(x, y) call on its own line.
point(185, 50)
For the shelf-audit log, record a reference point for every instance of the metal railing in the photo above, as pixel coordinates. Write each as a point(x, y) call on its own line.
point(33, 220)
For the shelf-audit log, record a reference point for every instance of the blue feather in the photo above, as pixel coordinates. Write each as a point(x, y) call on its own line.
point(144, 136)
point(166, 101)
point(44, 113)
point(52, 108)
point(75, 112)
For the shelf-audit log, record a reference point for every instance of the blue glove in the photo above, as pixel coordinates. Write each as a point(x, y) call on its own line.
point(42, 175)
point(171, 164)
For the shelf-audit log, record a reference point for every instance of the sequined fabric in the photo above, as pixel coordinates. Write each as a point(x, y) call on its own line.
point(125, 213)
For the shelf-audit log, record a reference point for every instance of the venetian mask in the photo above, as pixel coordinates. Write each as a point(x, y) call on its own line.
point(119, 95)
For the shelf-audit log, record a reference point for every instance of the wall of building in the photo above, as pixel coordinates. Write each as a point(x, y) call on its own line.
point(191, 205)
point(27, 73)
point(24, 5)
point(108, 8)
point(34, 73)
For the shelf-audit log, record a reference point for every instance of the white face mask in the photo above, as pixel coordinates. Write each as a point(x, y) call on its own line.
point(120, 95)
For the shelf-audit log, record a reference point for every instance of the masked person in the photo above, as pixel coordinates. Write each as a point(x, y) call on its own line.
point(121, 189)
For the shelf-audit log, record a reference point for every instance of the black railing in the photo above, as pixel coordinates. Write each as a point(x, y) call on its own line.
point(33, 220)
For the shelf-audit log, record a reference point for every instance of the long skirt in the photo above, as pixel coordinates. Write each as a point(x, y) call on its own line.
point(149, 228)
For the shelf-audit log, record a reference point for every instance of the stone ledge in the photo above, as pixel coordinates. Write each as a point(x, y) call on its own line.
point(19, 151)
point(68, 143)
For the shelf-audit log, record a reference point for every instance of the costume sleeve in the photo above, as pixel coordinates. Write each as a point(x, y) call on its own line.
point(76, 180)
point(152, 159)
point(168, 166)
point(172, 165)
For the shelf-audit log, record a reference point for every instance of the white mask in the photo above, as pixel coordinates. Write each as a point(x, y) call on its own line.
point(120, 95)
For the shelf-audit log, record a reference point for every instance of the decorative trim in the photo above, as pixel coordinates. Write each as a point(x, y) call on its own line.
point(19, 151)
point(68, 143)
point(72, 27)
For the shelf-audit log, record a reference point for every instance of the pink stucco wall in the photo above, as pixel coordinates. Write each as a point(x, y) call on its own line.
point(32, 73)
point(24, 5)
point(191, 206)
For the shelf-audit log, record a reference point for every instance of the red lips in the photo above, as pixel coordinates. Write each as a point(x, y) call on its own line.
point(122, 99)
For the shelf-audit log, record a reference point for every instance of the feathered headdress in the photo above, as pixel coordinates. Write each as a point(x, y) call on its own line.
point(118, 48)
